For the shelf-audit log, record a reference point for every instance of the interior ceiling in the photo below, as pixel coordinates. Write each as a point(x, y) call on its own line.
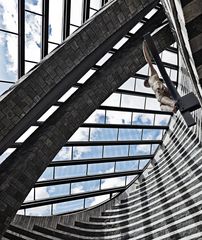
point(115, 143)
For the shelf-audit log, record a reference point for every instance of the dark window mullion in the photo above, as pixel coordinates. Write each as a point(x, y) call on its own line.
point(45, 20)
point(21, 38)
point(66, 18)
point(86, 10)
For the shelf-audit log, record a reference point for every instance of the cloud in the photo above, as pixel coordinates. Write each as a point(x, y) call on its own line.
point(8, 42)
point(99, 199)
point(8, 15)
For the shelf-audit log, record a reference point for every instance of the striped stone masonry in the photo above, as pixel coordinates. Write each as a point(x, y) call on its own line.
point(193, 18)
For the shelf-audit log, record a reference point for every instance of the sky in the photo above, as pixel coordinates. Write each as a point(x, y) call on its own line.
point(8, 53)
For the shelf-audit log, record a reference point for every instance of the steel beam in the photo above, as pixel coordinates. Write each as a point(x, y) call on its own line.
point(71, 197)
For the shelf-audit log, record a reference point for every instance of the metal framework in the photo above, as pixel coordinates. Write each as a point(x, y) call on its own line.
point(88, 162)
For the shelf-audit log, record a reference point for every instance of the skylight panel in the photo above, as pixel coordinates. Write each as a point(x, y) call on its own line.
point(76, 12)
point(33, 31)
point(55, 20)
point(9, 15)
point(136, 27)
point(34, 6)
point(86, 76)
point(48, 113)
point(26, 134)
point(5, 154)
point(67, 94)
point(9, 56)
point(151, 13)
point(104, 59)
point(120, 43)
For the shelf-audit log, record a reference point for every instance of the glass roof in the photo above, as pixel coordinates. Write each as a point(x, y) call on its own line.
point(115, 143)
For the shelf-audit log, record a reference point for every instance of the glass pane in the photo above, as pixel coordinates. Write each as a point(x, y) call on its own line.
point(151, 13)
point(162, 120)
point(127, 166)
point(152, 104)
point(64, 154)
point(52, 191)
point(96, 4)
point(139, 87)
point(152, 134)
point(92, 12)
point(9, 15)
point(67, 94)
point(47, 174)
point(130, 134)
point(4, 87)
point(72, 29)
point(137, 150)
point(39, 211)
point(116, 151)
point(82, 134)
point(9, 56)
point(70, 171)
point(34, 5)
point(129, 101)
point(100, 168)
point(51, 47)
point(87, 76)
point(144, 70)
point(29, 66)
point(120, 43)
point(48, 113)
point(4, 155)
point(55, 20)
point(118, 117)
point(96, 117)
point(87, 152)
point(129, 85)
point(137, 27)
point(89, 202)
point(113, 100)
point(143, 119)
point(26, 134)
point(154, 148)
point(30, 196)
point(33, 27)
point(129, 179)
point(173, 75)
point(169, 57)
point(104, 59)
point(143, 163)
point(88, 186)
point(103, 134)
point(68, 206)
point(113, 182)
point(76, 12)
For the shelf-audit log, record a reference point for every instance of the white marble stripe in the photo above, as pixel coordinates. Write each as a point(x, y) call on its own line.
point(174, 157)
point(193, 236)
point(166, 177)
point(152, 203)
point(190, 216)
point(173, 150)
point(150, 212)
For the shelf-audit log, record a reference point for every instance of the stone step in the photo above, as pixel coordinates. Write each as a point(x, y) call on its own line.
point(55, 233)
point(15, 236)
point(29, 233)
